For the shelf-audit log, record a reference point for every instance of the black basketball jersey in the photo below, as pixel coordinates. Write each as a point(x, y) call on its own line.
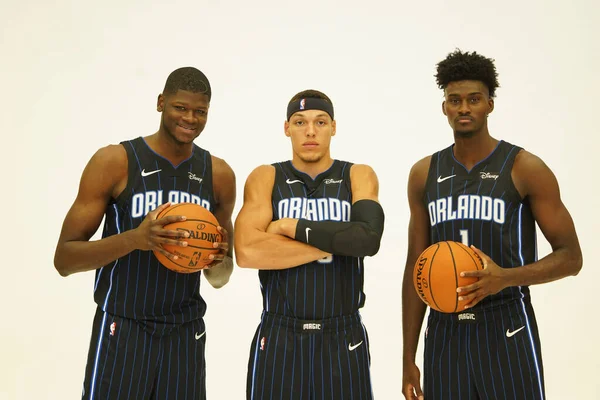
point(137, 286)
point(326, 288)
point(482, 207)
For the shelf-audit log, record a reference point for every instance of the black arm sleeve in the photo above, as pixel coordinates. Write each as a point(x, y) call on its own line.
point(358, 238)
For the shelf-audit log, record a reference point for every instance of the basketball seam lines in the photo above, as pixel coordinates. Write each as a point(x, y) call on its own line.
point(430, 269)
point(455, 277)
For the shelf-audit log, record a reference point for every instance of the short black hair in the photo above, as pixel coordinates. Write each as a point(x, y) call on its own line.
point(189, 79)
point(310, 94)
point(465, 66)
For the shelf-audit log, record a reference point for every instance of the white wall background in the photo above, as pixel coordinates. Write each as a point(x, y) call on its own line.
point(77, 75)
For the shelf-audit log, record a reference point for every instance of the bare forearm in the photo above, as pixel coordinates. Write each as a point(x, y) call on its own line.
point(273, 251)
point(79, 256)
point(413, 311)
point(556, 265)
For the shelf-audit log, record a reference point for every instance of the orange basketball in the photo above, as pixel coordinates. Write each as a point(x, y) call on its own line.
point(436, 275)
point(202, 227)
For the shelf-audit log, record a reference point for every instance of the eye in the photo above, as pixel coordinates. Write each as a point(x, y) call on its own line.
point(299, 123)
point(180, 108)
point(201, 112)
point(321, 123)
point(475, 100)
point(454, 101)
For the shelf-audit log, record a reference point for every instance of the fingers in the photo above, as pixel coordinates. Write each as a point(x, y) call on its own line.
point(411, 392)
point(482, 255)
point(158, 210)
point(169, 219)
point(165, 253)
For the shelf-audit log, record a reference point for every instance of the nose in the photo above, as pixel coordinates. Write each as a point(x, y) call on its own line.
point(463, 108)
point(310, 130)
point(188, 116)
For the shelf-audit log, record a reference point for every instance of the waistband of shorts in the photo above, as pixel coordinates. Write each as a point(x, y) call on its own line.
point(479, 314)
point(335, 324)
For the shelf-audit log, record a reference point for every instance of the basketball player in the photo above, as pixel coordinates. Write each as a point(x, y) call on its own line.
point(148, 335)
point(306, 225)
point(489, 194)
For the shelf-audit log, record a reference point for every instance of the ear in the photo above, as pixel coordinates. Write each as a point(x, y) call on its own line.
point(333, 127)
point(491, 105)
point(444, 107)
point(160, 103)
point(286, 129)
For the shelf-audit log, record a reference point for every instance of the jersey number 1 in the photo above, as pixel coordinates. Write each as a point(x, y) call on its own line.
point(464, 237)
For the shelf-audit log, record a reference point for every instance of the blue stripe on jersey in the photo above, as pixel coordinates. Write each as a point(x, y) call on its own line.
point(487, 341)
point(98, 347)
point(137, 334)
point(533, 349)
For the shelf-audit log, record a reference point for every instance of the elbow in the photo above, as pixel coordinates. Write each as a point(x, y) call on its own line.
point(243, 257)
point(577, 264)
point(60, 265)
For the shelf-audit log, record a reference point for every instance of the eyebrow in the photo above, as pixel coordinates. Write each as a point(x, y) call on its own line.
point(469, 94)
point(323, 114)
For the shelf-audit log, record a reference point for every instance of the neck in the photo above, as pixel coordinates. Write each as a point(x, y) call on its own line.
point(471, 150)
point(312, 169)
point(165, 145)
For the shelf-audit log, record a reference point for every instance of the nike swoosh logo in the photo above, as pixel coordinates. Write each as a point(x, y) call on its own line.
point(198, 336)
point(351, 347)
point(440, 179)
point(307, 230)
point(289, 181)
point(510, 334)
point(144, 173)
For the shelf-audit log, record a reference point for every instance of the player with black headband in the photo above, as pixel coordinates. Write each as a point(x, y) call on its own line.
point(306, 225)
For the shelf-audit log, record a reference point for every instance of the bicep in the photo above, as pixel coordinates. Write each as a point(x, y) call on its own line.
point(364, 182)
point(257, 212)
point(548, 210)
point(225, 193)
point(418, 226)
point(95, 190)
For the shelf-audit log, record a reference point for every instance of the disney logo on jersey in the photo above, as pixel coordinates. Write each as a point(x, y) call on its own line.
point(193, 177)
point(330, 181)
point(488, 175)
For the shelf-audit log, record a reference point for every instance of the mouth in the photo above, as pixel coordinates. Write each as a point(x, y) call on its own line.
point(464, 120)
point(187, 128)
point(310, 145)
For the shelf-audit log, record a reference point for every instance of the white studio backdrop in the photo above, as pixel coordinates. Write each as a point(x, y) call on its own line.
point(78, 75)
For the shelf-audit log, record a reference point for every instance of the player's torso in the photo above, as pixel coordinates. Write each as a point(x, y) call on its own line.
point(136, 285)
point(322, 289)
point(482, 207)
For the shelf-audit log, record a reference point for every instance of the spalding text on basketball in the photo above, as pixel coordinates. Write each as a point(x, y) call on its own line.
point(421, 281)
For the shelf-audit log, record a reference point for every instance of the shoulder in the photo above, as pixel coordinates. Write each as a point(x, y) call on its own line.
point(221, 168)
point(358, 171)
point(113, 153)
point(530, 171)
point(112, 159)
point(262, 172)
point(420, 168)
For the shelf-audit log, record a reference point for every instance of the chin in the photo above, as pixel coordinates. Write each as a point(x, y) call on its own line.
point(464, 134)
point(311, 158)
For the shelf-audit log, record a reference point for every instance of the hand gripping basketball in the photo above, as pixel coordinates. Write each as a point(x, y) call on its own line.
point(152, 234)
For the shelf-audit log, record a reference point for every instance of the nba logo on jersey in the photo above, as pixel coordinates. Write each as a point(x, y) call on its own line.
point(113, 328)
point(263, 341)
point(302, 103)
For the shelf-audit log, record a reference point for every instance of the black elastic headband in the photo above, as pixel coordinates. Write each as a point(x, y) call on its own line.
point(309, 103)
